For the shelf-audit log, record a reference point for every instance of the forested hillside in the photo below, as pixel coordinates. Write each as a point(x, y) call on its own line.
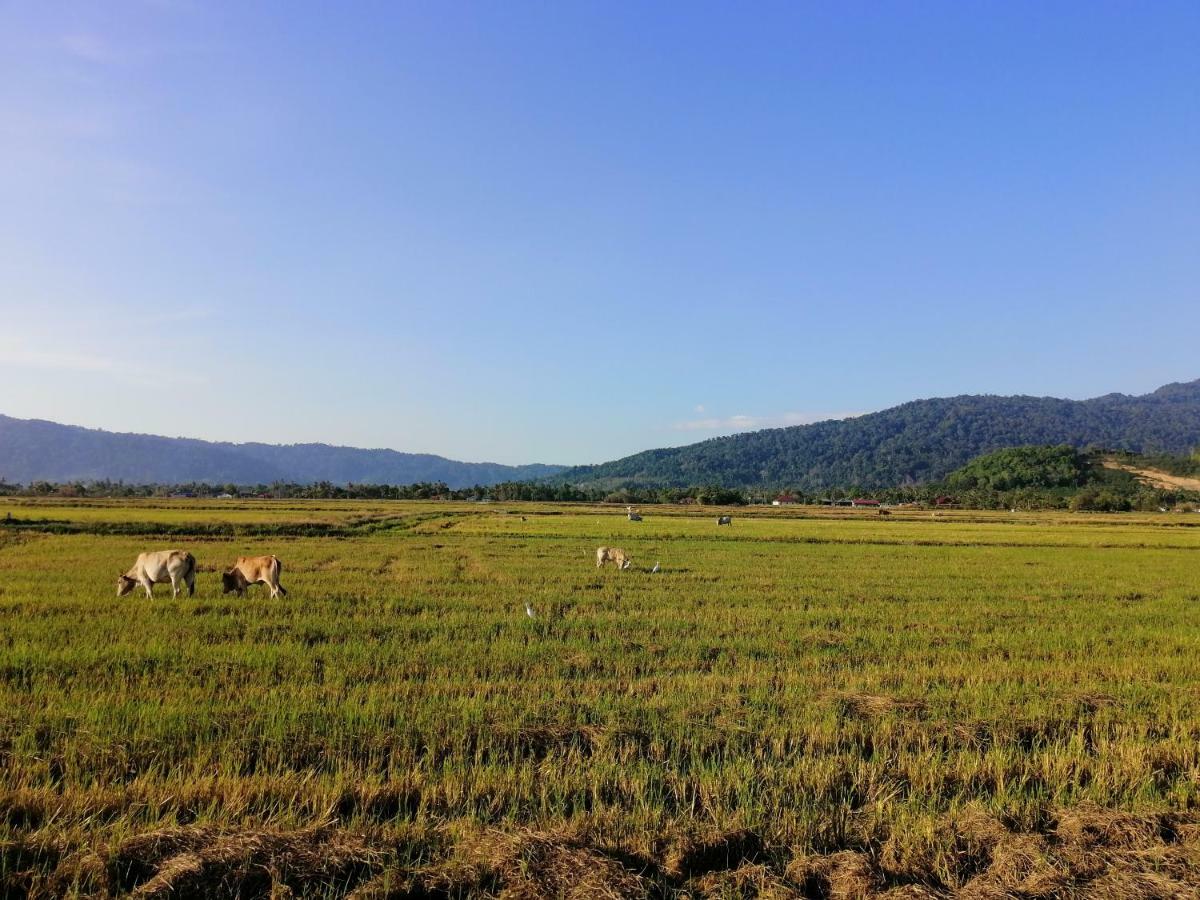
point(33, 450)
point(916, 442)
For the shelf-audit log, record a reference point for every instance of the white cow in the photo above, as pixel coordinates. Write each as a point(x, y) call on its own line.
point(160, 567)
point(250, 570)
point(614, 555)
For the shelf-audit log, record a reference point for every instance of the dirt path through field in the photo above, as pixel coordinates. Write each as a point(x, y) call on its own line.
point(1157, 479)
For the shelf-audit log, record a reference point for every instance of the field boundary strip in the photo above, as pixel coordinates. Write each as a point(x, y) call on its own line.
point(357, 527)
point(811, 539)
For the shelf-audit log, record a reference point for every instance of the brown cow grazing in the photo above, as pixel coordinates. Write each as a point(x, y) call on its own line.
point(614, 555)
point(160, 567)
point(250, 570)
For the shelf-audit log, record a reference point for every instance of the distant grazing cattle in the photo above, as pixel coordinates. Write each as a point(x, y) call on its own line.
point(884, 512)
point(634, 517)
point(614, 555)
point(160, 567)
point(250, 570)
point(724, 520)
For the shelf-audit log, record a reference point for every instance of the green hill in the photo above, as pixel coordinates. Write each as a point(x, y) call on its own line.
point(916, 442)
point(34, 450)
point(1026, 467)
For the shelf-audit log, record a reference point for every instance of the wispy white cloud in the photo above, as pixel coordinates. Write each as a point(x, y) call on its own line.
point(742, 422)
point(91, 48)
point(170, 5)
point(186, 314)
point(66, 124)
point(69, 360)
point(56, 359)
point(100, 50)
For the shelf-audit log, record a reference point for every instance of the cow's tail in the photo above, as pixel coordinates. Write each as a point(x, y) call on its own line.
point(277, 566)
point(190, 575)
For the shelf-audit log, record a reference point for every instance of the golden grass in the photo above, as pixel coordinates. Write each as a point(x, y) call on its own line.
point(803, 705)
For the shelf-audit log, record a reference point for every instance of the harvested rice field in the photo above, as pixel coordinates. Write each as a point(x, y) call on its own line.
point(809, 703)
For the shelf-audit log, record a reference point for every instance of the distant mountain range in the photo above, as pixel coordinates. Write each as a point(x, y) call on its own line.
point(916, 442)
point(919, 441)
point(34, 450)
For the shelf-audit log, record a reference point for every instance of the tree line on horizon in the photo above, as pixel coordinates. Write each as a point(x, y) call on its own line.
point(1036, 477)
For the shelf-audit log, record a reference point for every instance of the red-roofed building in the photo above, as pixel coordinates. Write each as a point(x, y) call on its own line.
point(863, 501)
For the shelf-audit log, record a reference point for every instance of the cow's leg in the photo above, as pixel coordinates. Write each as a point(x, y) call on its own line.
point(148, 587)
point(190, 578)
point(174, 586)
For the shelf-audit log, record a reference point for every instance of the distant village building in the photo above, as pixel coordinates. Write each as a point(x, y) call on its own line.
point(863, 501)
point(944, 501)
point(785, 500)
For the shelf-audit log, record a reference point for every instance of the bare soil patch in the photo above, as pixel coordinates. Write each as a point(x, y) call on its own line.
point(1155, 478)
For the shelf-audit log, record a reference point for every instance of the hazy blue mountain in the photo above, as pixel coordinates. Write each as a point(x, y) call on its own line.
point(918, 441)
point(32, 450)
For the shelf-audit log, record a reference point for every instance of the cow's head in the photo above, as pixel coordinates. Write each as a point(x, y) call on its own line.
point(125, 584)
point(231, 581)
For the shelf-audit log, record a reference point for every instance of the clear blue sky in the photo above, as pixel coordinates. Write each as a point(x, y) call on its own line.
point(563, 232)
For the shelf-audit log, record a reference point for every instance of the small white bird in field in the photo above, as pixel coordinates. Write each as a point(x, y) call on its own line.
point(529, 610)
point(655, 569)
